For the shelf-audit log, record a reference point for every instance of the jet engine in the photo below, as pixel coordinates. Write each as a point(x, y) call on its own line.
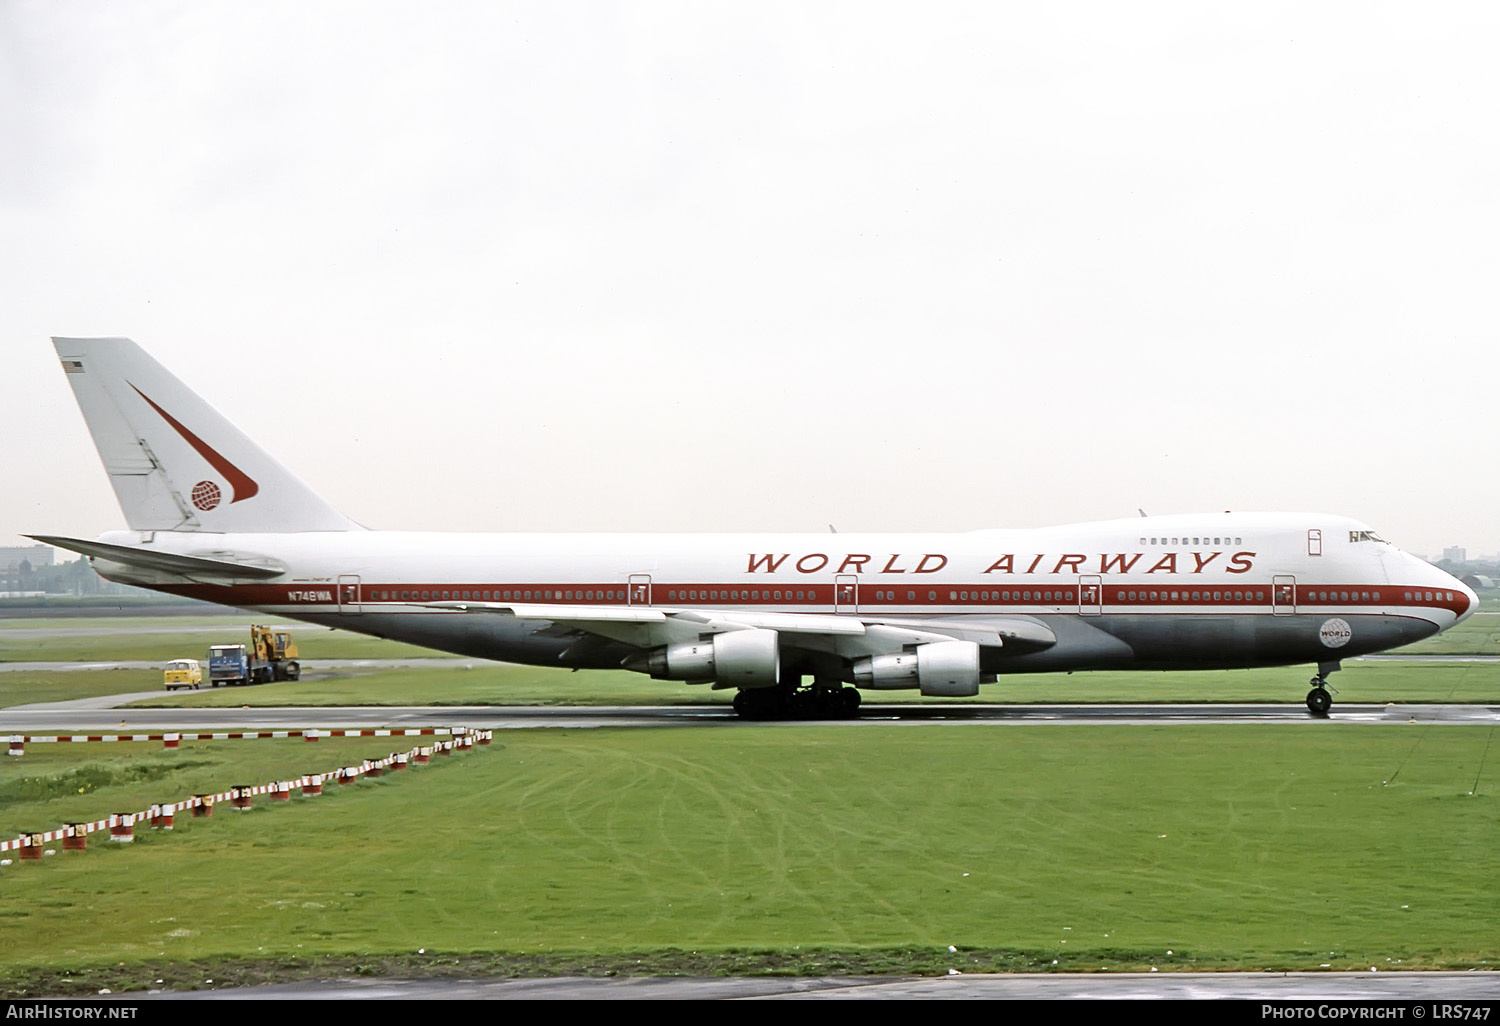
point(740, 659)
point(948, 669)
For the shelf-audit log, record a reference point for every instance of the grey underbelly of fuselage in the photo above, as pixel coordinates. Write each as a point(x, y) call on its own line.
point(1130, 641)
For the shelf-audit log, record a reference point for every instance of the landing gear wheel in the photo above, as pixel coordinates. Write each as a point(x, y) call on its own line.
point(782, 703)
point(761, 704)
point(851, 702)
point(751, 705)
point(1319, 700)
point(827, 703)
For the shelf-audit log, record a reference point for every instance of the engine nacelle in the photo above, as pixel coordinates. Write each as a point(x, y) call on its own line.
point(946, 669)
point(740, 659)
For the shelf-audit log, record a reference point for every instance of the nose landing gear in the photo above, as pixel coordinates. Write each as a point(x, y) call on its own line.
point(1319, 701)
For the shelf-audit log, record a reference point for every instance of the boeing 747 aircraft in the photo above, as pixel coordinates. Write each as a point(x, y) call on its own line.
point(797, 623)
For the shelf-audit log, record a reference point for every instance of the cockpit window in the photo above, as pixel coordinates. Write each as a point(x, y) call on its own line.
point(1359, 536)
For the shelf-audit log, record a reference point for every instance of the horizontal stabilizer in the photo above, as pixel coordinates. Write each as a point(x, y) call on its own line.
point(166, 562)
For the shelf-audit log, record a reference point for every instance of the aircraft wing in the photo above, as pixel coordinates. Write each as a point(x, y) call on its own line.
point(845, 635)
point(164, 562)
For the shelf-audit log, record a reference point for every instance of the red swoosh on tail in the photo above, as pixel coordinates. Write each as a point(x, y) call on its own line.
point(241, 483)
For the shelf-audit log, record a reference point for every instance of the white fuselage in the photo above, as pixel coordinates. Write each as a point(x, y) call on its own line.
point(1188, 590)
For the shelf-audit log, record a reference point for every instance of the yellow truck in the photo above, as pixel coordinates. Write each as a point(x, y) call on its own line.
point(183, 673)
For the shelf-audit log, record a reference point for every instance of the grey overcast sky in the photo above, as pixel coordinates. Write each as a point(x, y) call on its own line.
point(736, 266)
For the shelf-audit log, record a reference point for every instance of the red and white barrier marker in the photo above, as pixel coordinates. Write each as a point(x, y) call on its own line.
point(171, 740)
point(30, 846)
point(309, 735)
point(485, 736)
point(18, 747)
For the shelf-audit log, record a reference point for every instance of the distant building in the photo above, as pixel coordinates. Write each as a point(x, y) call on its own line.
point(1456, 554)
point(37, 555)
point(1479, 582)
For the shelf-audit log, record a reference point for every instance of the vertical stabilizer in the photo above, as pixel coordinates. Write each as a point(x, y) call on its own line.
point(175, 462)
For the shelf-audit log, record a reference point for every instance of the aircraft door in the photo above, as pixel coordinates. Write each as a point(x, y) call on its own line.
point(1090, 596)
point(348, 594)
point(1283, 595)
point(638, 591)
point(846, 593)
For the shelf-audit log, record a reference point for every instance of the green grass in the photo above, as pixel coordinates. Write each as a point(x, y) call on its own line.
point(123, 638)
point(1478, 635)
point(19, 687)
point(812, 848)
point(65, 782)
point(109, 624)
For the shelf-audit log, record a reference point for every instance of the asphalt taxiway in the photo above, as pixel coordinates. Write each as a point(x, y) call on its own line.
point(111, 714)
point(1479, 988)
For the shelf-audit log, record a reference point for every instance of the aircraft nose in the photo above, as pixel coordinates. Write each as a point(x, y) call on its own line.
point(1468, 593)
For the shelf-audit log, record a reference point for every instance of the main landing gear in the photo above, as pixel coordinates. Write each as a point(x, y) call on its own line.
point(784, 702)
point(1319, 701)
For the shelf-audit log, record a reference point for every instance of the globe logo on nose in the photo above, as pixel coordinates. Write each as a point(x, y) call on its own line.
point(1335, 633)
point(206, 495)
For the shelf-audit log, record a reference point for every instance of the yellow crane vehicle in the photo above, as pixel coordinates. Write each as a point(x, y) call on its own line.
point(271, 655)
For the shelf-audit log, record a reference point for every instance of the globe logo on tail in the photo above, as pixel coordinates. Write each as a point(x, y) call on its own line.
point(206, 495)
